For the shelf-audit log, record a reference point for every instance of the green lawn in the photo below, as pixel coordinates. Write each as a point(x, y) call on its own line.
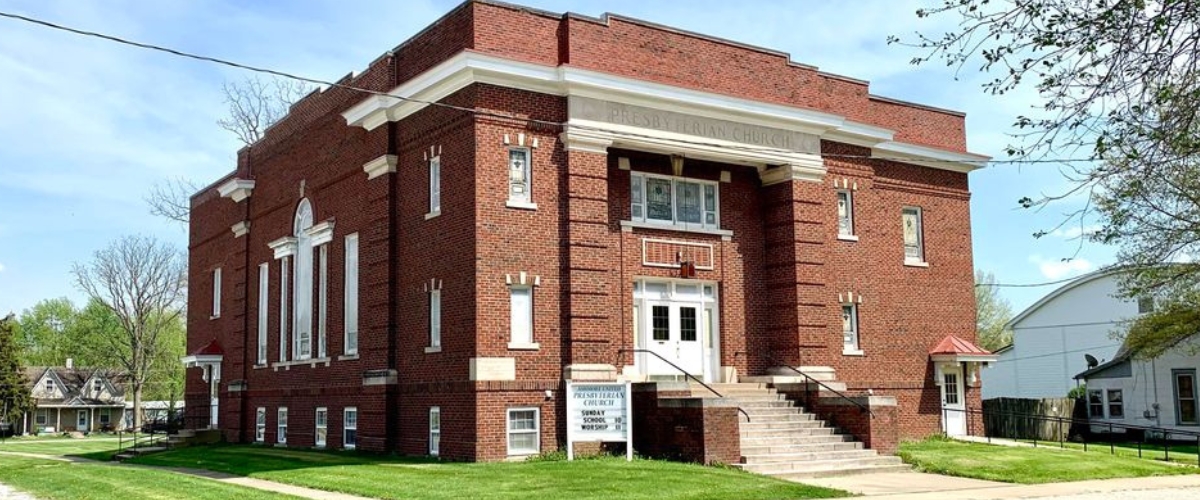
point(424, 479)
point(50, 480)
point(1178, 453)
point(1028, 465)
point(61, 446)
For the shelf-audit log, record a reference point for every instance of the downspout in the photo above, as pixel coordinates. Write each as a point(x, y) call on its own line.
point(245, 400)
point(391, 395)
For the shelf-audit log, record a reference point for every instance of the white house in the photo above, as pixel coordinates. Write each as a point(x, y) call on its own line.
point(1160, 392)
point(1051, 337)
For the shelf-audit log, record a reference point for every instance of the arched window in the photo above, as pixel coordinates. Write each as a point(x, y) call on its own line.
point(303, 282)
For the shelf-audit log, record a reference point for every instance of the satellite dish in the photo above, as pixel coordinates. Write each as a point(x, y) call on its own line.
point(1091, 361)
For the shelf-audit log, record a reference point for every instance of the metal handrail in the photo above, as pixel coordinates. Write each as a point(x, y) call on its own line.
point(806, 376)
point(685, 373)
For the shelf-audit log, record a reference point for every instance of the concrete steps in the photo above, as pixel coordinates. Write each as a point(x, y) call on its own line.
point(781, 439)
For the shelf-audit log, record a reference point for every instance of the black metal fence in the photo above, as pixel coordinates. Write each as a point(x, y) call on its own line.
point(1076, 432)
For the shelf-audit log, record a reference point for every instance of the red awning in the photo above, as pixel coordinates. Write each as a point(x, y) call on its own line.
point(212, 349)
point(956, 350)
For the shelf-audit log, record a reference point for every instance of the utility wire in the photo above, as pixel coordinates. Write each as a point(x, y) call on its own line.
point(474, 111)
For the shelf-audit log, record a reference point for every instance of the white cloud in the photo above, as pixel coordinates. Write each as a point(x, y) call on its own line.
point(1, 267)
point(1075, 231)
point(1061, 268)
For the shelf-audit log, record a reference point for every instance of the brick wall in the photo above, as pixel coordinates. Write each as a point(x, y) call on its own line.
point(669, 424)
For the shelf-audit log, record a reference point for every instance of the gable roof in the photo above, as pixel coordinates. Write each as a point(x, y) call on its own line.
point(73, 381)
point(1077, 282)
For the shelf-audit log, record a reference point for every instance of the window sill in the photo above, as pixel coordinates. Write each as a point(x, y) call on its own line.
point(433, 349)
point(848, 237)
point(522, 346)
point(433, 214)
point(215, 316)
point(261, 366)
point(312, 362)
point(519, 456)
point(522, 205)
point(915, 263)
point(628, 225)
point(853, 352)
point(348, 357)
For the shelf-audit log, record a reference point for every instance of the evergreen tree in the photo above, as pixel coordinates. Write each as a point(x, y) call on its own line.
point(14, 393)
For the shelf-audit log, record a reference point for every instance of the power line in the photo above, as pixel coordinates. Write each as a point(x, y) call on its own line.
point(1028, 285)
point(474, 111)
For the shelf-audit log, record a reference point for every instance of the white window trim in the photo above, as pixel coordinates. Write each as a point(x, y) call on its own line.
point(675, 224)
point(854, 349)
point(435, 432)
point(347, 427)
point(350, 295)
point(302, 294)
point(216, 294)
point(921, 260)
point(318, 441)
point(1108, 403)
point(322, 301)
point(514, 342)
point(41, 416)
point(1103, 403)
point(435, 321)
point(260, 424)
point(264, 290)
point(536, 431)
point(283, 309)
point(435, 187)
point(281, 425)
point(852, 235)
point(525, 203)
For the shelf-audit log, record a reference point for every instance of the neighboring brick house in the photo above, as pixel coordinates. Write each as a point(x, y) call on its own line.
point(387, 274)
point(68, 399)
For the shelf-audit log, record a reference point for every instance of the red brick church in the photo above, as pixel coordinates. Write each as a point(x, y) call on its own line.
point(528, 198)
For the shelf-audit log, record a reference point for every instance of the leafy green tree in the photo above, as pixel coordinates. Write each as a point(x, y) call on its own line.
point(54, 329)
point(1119, 84)
point(992, 313)
point(14, 391)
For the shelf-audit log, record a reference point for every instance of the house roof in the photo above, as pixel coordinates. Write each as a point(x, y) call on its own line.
point(73, 382)
point(1081, 280)
point(213, 348)
point(955, 345)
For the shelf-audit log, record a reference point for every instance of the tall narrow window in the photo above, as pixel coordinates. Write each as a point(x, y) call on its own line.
point(260, 424)
point(850, 328)
point(521, 305)
point(1185, 396)
point(435, 430)
point(435, 186)
point(1095, 404)
point(519, 177)
point(283, 308)
point(435, 318)
point(281, 425)
point(914, 239)
point(523, 427)
point(304, 282)
point(351, 295)
point(845, 211)
point(216, 293)
point(1116, 403)
point(264, 275)
point(322, 425)
point(322, 299)
point(350, 428)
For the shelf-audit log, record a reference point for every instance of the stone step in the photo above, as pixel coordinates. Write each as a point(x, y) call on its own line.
point(808, 456)
point(773, 410)
point(786, 426)
point(730, 386)
point(835, 471)
point(799, 418)
point(768, 439)
point(816, 466)
point(766, 449)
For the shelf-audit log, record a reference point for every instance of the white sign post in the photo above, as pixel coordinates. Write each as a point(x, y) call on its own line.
point(599, 412)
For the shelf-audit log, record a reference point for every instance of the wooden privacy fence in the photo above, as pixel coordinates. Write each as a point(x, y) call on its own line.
point(1014, 418)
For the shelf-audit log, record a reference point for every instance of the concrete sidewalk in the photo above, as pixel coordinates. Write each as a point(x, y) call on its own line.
point(920, 486)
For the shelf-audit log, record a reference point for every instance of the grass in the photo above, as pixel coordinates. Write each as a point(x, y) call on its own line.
point(383, 477)
point(1179, 453)
point(62, 446)
point(52, 480)
point(1027, 465)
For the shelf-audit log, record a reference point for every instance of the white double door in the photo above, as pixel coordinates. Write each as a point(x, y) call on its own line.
point(674, 334)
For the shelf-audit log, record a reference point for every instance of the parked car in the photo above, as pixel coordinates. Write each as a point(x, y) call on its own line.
point(163, 424)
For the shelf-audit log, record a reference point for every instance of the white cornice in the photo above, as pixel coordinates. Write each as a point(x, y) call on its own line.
point(240, 229)
point(236, 189)
point(468, 67)
point(320, 234)
point(283, 247)
point(385, 164)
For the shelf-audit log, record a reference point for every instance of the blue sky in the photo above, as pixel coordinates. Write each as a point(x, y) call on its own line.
point(89, 126)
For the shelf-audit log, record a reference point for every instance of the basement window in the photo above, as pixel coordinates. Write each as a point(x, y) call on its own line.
point(523, 431)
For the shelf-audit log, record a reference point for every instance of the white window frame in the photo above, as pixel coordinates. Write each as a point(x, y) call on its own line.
point(216, 293)
point(281, 425)
point(350, 296)
point(1108, 403)
point(435, 430)
point(322, 301)
point(435, 319)
point(105, 416)
point(519, 200)
point(347, 425)
point(321, 426)
point(851, 339)
point(640, 180)
point(536, 431)
point(435, 187)
point(521, 335)
point(1100, 396)
point(302, 313)
point(264, 277)
point(283, 308)
point(846, 231)
point(919, 259)
point(260, 424)
point(41, 416)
